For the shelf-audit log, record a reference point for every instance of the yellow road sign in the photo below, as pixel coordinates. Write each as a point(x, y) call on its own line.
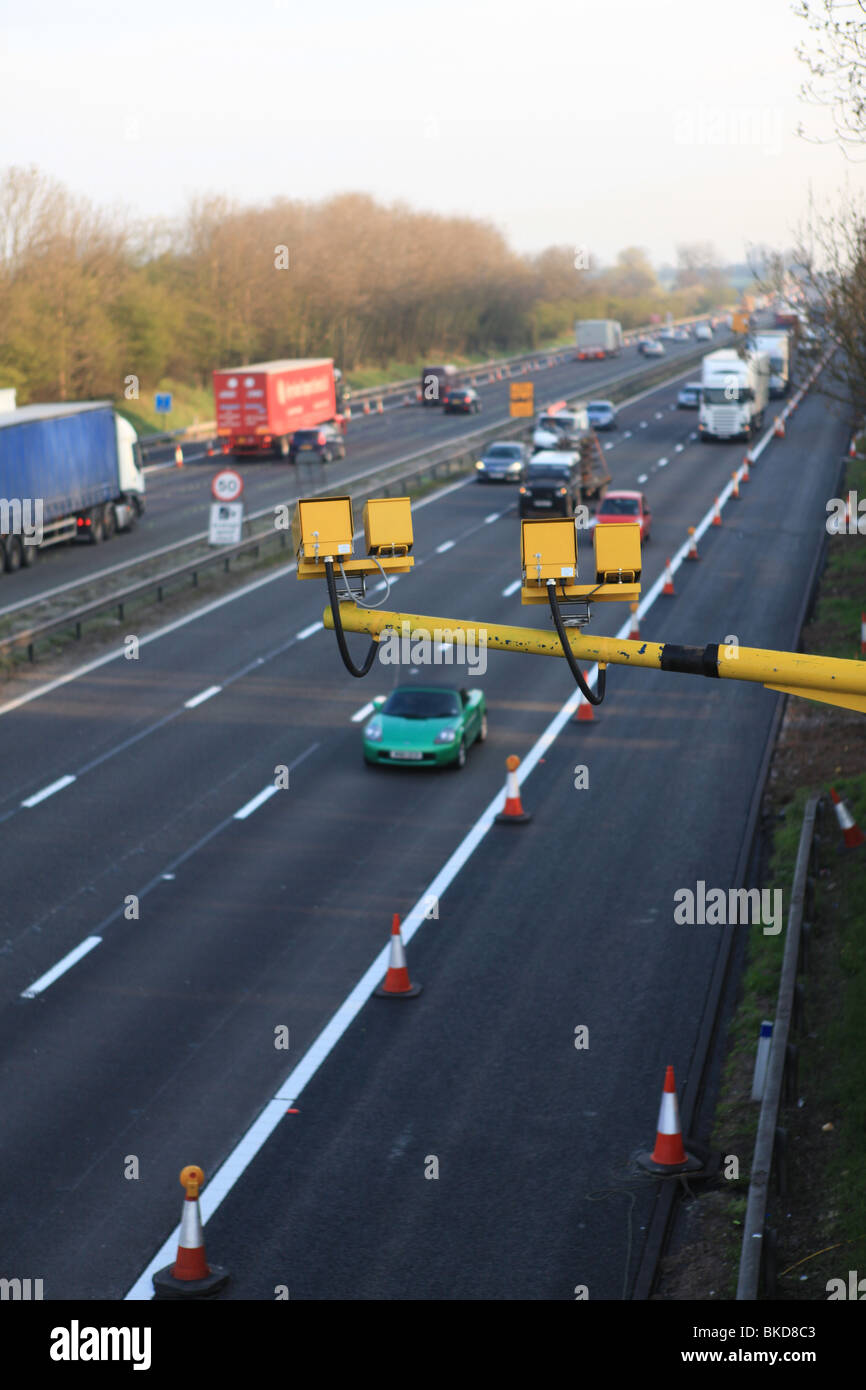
point(522, 398)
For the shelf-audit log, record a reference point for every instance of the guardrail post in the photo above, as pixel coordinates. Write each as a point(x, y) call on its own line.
point(780, 1161)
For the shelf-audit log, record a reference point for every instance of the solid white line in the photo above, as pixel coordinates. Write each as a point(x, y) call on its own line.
point(57, 786)
point(446, 545)
point(361, 714)
point(494, 516)
point(200, 699)
point(306, 632)
point(256, 802)
point(61, 967)
point(512, 588)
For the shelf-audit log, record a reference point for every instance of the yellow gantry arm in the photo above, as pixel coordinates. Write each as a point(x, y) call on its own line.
point(828, 679)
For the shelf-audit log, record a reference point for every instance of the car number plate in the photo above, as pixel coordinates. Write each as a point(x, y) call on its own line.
point(407, 753)
point(543, 502)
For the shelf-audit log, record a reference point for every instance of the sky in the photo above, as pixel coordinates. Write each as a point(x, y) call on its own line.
point(564, 122)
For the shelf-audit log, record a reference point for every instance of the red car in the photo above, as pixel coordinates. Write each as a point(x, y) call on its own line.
point(625, 506)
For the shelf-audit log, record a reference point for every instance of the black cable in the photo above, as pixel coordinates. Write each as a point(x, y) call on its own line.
point(338, 628)
point(569, 654)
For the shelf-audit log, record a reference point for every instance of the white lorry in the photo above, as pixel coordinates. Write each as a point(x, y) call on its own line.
point(597, 338)
point(776, 343)
point(734, 394)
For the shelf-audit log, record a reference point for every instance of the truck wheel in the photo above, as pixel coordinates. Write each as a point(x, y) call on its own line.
point(109, 521)
point(97, 528)
point(12, 558)
point(29, 555)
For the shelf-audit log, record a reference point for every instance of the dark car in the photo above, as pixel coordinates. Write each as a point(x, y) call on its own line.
point(461, 400)
point(551, 483)
point(325, 442)
point(502, 462)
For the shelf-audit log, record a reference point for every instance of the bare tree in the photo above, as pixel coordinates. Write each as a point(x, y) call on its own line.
point(836, 59)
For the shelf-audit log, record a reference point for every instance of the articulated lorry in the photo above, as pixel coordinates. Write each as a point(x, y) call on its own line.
point(597, 338)
point(259, 407)
point(776, 343)
point(67, 472)
point(734, 394)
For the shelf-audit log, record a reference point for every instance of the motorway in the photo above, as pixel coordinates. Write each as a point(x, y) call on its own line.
point(178, 499)
point(145, 781)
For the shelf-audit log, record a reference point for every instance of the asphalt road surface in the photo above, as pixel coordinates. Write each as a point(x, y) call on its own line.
point(214, 931)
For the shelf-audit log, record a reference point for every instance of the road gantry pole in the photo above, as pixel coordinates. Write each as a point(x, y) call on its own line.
point(831, 680)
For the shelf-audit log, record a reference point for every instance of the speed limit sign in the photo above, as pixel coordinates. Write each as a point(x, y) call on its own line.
point(227, 485)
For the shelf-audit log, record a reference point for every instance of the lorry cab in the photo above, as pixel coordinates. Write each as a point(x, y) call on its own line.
point(734, 393)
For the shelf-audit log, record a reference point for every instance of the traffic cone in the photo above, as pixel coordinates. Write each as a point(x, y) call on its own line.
point(585, 711)
point(513, 812)
point(190, 1276)
point(744, 475)
point(779, 428)
point(851, 831)
point(669, 591)
point(634, 630)
point(717, 515)
point(669, 1155)
point(366, 407)
point(863, 634)
point(735, 491)
point(380, 409)
point(178, 456)
point(848, 514)
point(692, 552)
point(347, 413)
point(396, 984)
point(852, 450)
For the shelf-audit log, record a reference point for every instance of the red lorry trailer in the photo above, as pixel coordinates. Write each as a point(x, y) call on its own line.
point(259, 407)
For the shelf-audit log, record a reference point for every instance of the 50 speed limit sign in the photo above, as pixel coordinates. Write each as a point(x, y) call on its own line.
point(227, 485)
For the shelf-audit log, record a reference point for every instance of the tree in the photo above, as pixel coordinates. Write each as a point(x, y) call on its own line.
point(837, 65)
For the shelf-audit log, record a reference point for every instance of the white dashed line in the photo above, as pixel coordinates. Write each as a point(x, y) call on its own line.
point(678, 448)
point(200, 699)
point(512, 589)
point(627, 434)
point(446, 545)
point(659, 415)
point(494, 516)
point(663, 463)
point(642, 477)
point(256, 802)
point(361, 714)
point(57, 786)
point(642, 425)
point(61, 967)
point(308, 631)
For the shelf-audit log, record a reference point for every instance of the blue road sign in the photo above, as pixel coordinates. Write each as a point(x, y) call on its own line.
point(163, 402)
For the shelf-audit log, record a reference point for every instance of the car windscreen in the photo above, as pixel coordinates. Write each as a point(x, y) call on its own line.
point(503, 451)
point(536, 472)
point(599, 405)
point(422, 704)
point(619, 506)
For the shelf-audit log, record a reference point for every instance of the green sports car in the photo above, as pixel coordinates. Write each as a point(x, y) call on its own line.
point(425, 725)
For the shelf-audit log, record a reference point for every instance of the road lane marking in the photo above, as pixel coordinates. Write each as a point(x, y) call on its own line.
point(204, 695)
point(306, 632)
point(659, 415)
point(57, 786)
point(663, 463)
point(61, 967)
point(642, 477)
point(256, 802)
point(627, 434)
point(494, 516)
point(643, 424)
point(678, 448)
point(512, 588)
point(361, 714)
point(446, 545)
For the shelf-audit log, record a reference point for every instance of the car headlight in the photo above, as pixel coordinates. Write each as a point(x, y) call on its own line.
point(481, 465)
point(445, 736)
point(373, 732)
point(515, 467)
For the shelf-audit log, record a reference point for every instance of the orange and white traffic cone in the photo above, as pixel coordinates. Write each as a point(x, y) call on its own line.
point(692, 552)
point(513, 812)
point(745, 476)
point(380, 409)
point(735, 490)
point(396, 984)
point(851, 832)
point(717, 514)
point(668, 590)
point(366, 407)
point(634, 630)
point(178, 456)
point(585, 711)
point(852, 450)
point(779, 428)
point(190, 1276)
point(863, 634)
point(669, 1155)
